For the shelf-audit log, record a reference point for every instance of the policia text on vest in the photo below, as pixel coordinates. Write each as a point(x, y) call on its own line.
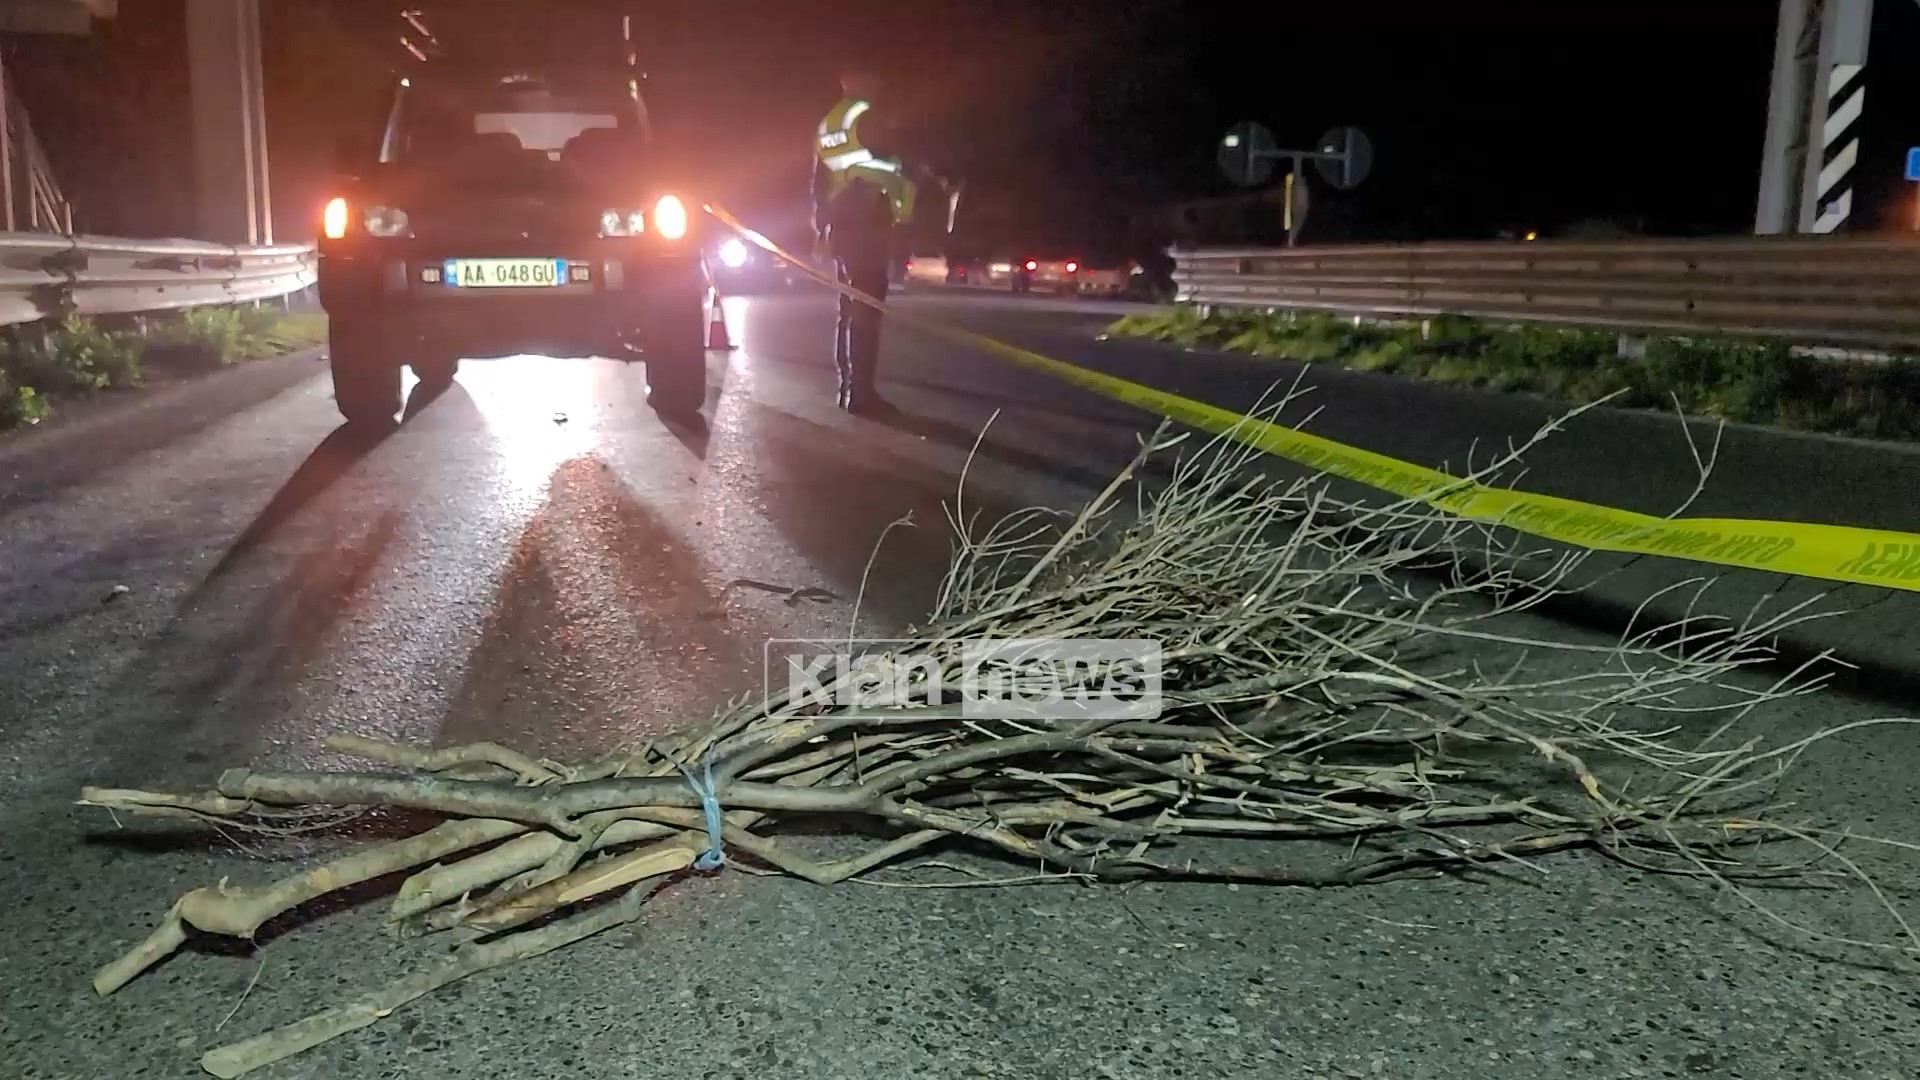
point(859, 196)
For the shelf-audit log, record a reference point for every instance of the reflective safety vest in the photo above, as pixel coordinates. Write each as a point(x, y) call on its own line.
point(848, 160)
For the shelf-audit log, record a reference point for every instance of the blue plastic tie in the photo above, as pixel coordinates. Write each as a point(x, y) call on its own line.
point(713, 858)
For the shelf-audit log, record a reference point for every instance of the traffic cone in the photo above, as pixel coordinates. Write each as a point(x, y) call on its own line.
point(717, 324)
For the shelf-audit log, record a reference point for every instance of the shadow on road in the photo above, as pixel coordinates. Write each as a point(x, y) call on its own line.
point(332, 459)
point(242, 637)
point(1117, 415)
point(692, 431)
point(201, 685)
point(326, 463)
point(821, 491)
point(603, 631)
point(961, 438)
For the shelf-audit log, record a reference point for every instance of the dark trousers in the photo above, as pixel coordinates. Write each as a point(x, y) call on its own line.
point(856, 336)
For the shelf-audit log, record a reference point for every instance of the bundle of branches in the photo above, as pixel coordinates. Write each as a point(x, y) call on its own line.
point(1308, 692)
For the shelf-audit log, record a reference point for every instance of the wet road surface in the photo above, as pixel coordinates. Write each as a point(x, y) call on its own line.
point(534, 558)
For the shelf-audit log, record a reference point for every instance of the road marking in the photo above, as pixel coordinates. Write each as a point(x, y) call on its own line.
point(1844, 553)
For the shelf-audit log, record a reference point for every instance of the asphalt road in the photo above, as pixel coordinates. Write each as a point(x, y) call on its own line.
point(534, 558)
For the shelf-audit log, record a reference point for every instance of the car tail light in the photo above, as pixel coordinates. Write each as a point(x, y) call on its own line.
point(1072, 266)
point(1031, 265)
point(333, 221)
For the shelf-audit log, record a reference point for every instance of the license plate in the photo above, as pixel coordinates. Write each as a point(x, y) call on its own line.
point(504, 273)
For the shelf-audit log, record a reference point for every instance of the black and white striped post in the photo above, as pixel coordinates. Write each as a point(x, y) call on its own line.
point(1814, 120)
point(1845, 101)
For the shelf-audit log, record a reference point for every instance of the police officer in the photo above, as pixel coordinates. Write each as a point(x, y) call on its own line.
point(860, 194)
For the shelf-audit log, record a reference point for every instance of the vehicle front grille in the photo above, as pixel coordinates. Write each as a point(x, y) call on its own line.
point(505, 221)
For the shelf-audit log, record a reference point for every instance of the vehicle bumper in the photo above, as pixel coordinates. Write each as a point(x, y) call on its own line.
point(611, 297)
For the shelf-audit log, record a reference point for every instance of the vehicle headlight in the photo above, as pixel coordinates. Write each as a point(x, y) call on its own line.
point(670, 217)
point(622, 223)
point(385, 221)
point(334, 220)
point(733, 254)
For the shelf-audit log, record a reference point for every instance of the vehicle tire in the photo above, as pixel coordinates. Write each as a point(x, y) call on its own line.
point(437, 373)
point(677, 384)
point(676, 357)
point(366, 376)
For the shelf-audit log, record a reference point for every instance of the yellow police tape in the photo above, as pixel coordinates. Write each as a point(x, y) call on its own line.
point(1830, 552)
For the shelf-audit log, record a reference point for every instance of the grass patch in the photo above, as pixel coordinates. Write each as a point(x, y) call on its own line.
point(44, 363)
point(75, 355)
point(1757, 382)
point(225, 336)
point(19, 404)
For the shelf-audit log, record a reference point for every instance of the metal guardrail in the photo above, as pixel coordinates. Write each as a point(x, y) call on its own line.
point(1809, 291)
point(50, 277)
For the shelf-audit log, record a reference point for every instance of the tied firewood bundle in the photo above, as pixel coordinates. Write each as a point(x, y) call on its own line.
point(1341, 676)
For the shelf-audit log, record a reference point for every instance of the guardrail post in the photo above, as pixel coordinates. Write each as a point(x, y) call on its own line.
point(1631, 347)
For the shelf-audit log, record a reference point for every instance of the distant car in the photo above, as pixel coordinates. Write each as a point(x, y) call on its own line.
point(1108, 280)
point(503, 211)
point(940, 270)
point(927, 270)
point(739, 267)
point(996, 273)
point(1050, 275)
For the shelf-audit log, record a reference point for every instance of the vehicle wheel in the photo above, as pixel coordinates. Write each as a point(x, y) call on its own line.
point(366, 377)
point(676, 357)
point(436, 374)
point(677, 384)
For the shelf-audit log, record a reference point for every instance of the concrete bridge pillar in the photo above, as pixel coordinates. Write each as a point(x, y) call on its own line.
point(229, 121)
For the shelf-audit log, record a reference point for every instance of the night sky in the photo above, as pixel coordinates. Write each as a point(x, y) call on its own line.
point(1068, 117)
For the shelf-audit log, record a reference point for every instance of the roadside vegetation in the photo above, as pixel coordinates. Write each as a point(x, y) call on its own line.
point(45, 365)
point(1758, 382)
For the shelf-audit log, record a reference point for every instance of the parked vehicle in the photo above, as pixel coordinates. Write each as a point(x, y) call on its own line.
point(500, 214)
